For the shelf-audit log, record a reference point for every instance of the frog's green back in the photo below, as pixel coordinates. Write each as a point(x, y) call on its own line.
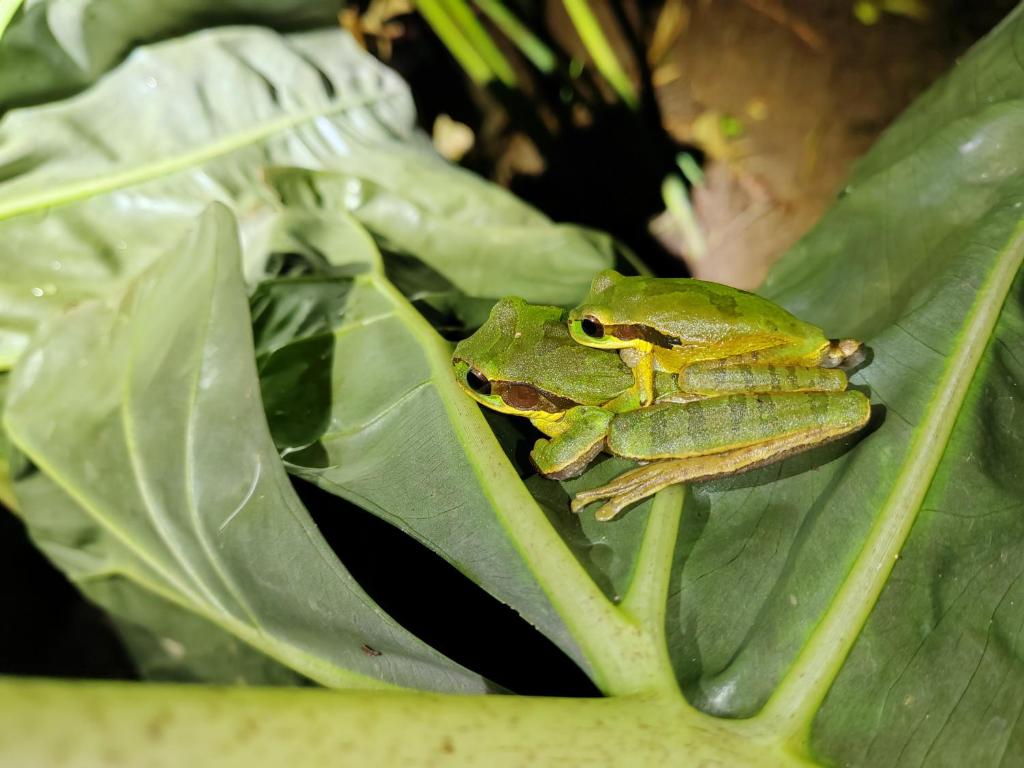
point(693, 311)
point(530, 344)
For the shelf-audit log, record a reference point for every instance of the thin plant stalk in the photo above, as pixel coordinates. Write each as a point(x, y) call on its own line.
point(7, 10)
point(531, 46)
point(690, 169)
point(677, 201)
point(477, 36)
point(455, 41)
point(600, 50)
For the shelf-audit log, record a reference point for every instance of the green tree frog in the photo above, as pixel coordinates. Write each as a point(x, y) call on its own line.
point(719, 339)
point(522, 361)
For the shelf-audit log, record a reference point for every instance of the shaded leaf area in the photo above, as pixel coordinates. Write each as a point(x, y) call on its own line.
point(917, 258)
point(171, 643)
point(56, 47)
point(478, 235)
point(397, 434)
point(293, 322)
point(228, 104)
point(607, 550)
point(937, 675)
point(132, 161)
point(96, 186)
point(154, 467)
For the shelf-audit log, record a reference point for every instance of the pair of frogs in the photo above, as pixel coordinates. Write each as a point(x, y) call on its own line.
point(707, 381)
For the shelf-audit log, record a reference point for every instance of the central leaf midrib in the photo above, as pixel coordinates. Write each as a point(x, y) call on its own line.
point(97, 185)
point(798, 696)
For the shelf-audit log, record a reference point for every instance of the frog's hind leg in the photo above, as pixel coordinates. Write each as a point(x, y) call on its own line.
point(713, 379)
point(637, 484)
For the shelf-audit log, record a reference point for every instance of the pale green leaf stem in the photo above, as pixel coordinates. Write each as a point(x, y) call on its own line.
point(60, 194)
point(626, 658)
point(596, 42)
point(532, 47)
point(114, 725)
point(456, 41)
point(792, 707)
point(7, 10)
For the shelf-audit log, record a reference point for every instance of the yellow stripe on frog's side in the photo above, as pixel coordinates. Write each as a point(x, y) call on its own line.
point(735, 422)
point(747, 349)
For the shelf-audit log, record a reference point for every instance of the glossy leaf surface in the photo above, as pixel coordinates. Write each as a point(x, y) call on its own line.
point(96, 186)
point(921, 259)
point(860, 604)
point(160, 458)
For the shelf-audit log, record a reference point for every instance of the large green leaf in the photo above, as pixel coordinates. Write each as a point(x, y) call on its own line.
point(155, 452)
point(785, 606)
point(921, 258)
point(97, 185)
point(56, 47)
point(299, 94)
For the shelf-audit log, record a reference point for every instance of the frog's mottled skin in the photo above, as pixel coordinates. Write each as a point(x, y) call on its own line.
point(522, 361)
point(706, 321)
point(530, 344)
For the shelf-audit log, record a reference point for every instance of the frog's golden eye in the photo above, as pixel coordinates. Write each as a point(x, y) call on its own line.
point(592, 327)
point(478, 382)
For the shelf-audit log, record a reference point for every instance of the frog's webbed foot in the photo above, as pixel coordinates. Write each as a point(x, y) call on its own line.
point(628, 488)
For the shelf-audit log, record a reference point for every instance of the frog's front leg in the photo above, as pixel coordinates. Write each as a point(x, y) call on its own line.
point(717, 437)
point(577, 437)
point(641, 361)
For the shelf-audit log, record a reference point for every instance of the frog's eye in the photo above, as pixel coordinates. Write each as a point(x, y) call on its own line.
point(478, 382)
point(592, 327)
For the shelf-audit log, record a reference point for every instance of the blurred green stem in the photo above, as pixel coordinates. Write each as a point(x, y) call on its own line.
point(7, 487)
point(117, 725)
point(532, 47)
point(7, 10)
point(600, 50)
point(647, 596)
point(677, 201)
point(475, 34)
point(455, 41)
point(690, 169)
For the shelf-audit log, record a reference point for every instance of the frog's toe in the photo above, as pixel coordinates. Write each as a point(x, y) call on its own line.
point(617, 500)
point(609, 511)
point(847, 353)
